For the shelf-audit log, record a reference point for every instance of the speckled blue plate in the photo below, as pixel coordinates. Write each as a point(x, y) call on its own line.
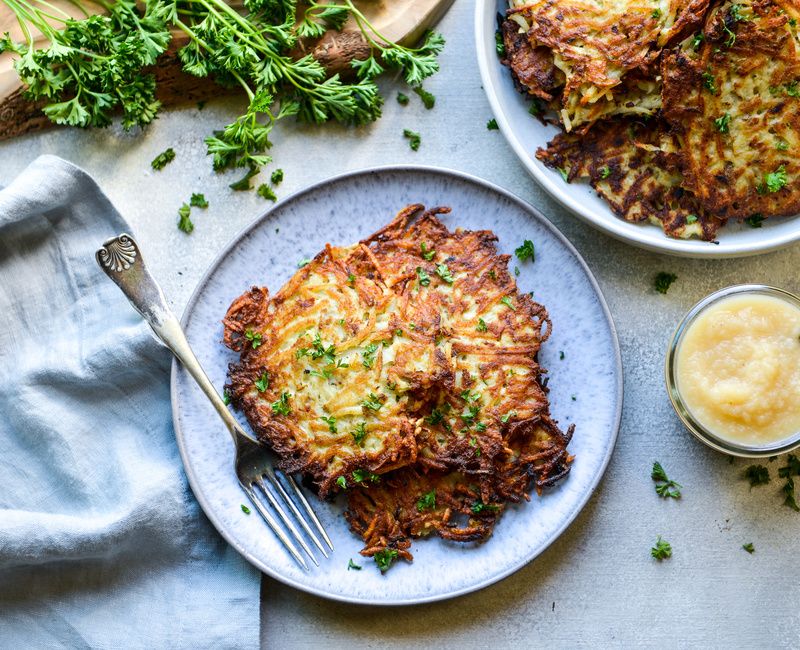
point(585, 386)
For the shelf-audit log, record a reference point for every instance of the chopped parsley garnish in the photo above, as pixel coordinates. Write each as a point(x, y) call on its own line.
point(506, 300)
point(709, 83)
point(662, 550)
point(414, 139)
point(361, 475)
point(436, 417)
point(243, 184)
point(163, 159)
point(526, 251)
point(331, 422)
point(266, 192)
point(754, 220)
point(665, 487)
point(491, 125)
point(304, 262)
point(353, 565)
point(561, 355)
point(360, 433)
point(245, 509)
point(342, 482)
point(384, 558)
point(226, 396)
point(508, 416)
point(351, 279)
point(749, 547)
point(277, 177)
point(427, 254)
point(427, 501)
point(428, 100)
point(656, 13)
point(281, 407)
point(697, 40)
point(736, 13)
point(492, 274)
point(605, 172)
point(757, 475)
point(663, 281)
point(479, 506)
point(372, 402)
point(319, 351)
point(691, 218)
point(368, 356)
point(424, 278)
point(198, 201)
point(564, 173)
point(516, 271)
point(184, 222)
point(481, 327)
point(721, 123)
point(499, 45)
point(262, 383)
point(402, 99)
point(776, 180)
point(443, 272)
point(791, 469)
point(781, 145)
point(253, 337)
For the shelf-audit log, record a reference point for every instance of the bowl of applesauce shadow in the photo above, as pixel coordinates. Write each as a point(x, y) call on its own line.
point(733, 370)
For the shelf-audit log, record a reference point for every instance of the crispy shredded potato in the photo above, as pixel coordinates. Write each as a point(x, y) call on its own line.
point(402, 370)
point(715, 85)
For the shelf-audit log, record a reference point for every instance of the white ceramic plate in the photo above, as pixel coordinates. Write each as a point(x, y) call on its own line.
point(526, 134)
point(344, 210)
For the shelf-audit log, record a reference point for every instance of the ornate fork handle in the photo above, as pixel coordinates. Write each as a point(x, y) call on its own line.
point(121, 260)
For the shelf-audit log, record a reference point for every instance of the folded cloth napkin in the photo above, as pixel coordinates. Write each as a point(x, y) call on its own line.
point(102, 544)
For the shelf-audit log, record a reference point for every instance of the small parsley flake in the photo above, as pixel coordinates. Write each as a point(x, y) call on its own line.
point(428, 99)
point(749, 547)
point(663, 281)
point(384, 558)
point(481, 326)
point(491, 125)
point(360, 433)
point(754, 220)
point(605, 172)
point(757, 475)
point(372, 402)
point(526, 251)
point(163, 159)
point(342, 482)
point(443, 272)
point(184, 222)
point(331, 422)
point(277, 177)
point(665, 487)
point(414, 139)
point(245, 509)
point(691, 218)
point(427, 254)
point(424, 278)
point(198, 201)
point(402, 99)
point(662, 550)
point(427, 501)
point(262, 383)
point(266, 192)
point(506, 300)
point(352, 565)
point(253, 337)
point(722, 123)
point(281, 407)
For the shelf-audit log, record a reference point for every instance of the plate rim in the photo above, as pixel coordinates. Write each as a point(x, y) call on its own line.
point(617, 228)
point(371, 171)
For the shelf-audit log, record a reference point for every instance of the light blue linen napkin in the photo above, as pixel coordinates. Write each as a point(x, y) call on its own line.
point(102, 544)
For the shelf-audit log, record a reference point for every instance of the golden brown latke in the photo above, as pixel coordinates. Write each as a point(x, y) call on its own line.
point(734, 104)
point(629, 164)
point(408, 358)
point(721, 82)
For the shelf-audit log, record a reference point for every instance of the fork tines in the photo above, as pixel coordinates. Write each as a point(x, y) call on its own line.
point(276, 495)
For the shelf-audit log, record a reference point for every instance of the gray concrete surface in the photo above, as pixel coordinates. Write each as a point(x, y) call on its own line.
point(597, 586)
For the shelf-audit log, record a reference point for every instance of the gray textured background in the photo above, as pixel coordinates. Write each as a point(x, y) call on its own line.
point(598, 584)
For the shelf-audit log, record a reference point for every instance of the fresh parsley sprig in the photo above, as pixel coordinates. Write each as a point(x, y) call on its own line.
point(665, 487)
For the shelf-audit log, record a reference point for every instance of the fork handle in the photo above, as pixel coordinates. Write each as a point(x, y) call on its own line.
point(121, 260)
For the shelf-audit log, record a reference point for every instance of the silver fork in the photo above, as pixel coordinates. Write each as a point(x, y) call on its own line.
point(122, 261)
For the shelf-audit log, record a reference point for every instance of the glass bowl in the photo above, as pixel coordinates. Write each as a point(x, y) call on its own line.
point(696, 428)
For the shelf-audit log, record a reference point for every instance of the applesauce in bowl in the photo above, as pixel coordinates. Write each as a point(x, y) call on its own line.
point(733, 370)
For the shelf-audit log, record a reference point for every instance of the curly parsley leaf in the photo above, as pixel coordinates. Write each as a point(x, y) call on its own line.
point(427, 501)
point(281, 406)
point(526, 251)
point(414, 139)
point(662, 550)
point(663, 281)
point(385, 558)
point(198, 201)
point(757, 475)
point(428, 99)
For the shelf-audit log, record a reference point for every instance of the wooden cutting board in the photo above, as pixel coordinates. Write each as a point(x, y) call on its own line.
point(402, 21)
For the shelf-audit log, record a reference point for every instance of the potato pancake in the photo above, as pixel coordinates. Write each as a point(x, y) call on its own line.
point(632, 165)
point(596, 44)
point(732, 96)
point(402, 370)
